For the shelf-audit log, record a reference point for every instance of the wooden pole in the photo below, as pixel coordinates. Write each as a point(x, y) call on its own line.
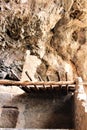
point(25, 83)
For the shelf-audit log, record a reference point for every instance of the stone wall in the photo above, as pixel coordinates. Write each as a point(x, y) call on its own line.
point(41, 109)
point(43, 38)
point(80, 107)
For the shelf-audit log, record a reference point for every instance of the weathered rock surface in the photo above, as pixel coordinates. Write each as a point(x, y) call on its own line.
point(54, 31)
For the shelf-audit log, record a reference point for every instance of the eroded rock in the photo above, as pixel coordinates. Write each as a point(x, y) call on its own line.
point(53, 31)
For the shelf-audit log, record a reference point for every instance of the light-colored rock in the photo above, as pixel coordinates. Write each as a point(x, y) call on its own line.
point(54, 31)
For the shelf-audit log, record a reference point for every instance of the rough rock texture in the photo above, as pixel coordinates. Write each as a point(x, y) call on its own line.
point(54, 31)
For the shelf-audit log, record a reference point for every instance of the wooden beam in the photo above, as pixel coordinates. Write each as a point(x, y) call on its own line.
point(25, 83)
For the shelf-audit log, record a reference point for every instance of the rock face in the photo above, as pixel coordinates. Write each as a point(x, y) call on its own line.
point(53, 31)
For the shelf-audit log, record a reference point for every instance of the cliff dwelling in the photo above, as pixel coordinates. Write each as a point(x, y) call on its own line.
point(43, 64)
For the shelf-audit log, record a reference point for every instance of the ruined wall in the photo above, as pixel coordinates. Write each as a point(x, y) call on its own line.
point(43, 37)
point(41, 109)
point(80, 106)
